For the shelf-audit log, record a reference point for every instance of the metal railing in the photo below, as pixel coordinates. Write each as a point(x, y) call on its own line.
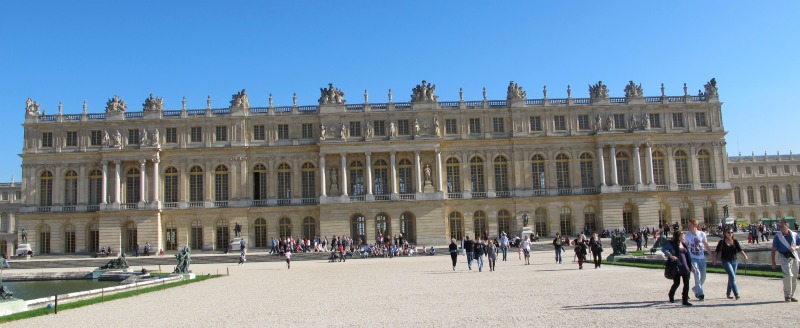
point(70, 208)
point(478, 194)
point(687, 186)
point(92, 208)
point(564, 191)
point(662, 187)
point(309, 201)
point(130, 206)
point(708, 185)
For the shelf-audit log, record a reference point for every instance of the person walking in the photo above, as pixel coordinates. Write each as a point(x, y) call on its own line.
point(580, 251)
point(680, 253)
point(526, 248)
point(787, 242)
point(596, 246)
point(288, 256)
point(5, 262)
point(504, 243)
point(453, 249)
point(469, 245)
point(727, 248)
point(698, 243)
point(479, 250)
point(491, 254)
point(558, 246)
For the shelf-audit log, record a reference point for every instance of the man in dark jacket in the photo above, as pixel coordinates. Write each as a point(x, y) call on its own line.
point(479, 250)
point(469, 246)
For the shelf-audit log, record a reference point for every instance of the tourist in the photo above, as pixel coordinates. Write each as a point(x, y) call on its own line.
point(727, 249)
point(491, 254)
point(288, 256)
point(453, 249)
point(242, 259)
point(479, 250)
point(504, 244)
point(787, 242)
point(136, 250)
point(698, 243)
point(580, 251)
point(596, 247)
point(5, 262)
point(526, 248)
point(558, 246)
point(680, 253)
point(468, 247)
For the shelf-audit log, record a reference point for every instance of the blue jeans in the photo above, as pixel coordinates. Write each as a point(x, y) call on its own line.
point(470, 257)
point(730, 269)
point(479, 259)
point(558, 255)
point(699, 276)
point(505, 252)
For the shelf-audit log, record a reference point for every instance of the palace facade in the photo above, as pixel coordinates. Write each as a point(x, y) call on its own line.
point(764, 186)
point(429, 169)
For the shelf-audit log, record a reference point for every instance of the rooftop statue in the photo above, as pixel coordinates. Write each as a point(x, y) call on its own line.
point(515, 91)
point(153, 104)
point(598, 90)
point(711, 87)
point(424, 93)
point(118, 140)
point(116, 105)
point(332, 96)
point(240, 100)
point(632, 90)
point(118, 263)
point(31, 107)
point(184, 259)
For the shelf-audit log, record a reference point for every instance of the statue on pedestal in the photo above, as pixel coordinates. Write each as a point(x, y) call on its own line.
point(31, 107)
point(118, 263)
point(118, 139)
point(322, 131)
point(525, 220)
point(116, 105)
point(598, 90)
point(184, 259)
point(331, 95)
point(153, 104)
point(24, 235)
point(240, 100)
point(515, 92)
point(632, 90)
point(424, 93)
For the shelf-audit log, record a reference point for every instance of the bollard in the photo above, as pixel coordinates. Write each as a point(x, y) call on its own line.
point(229, 271)
point(159, 268)
point(56, 307)
point(102, 294)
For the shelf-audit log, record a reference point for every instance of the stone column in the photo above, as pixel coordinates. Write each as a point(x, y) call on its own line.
point(601, 165)
point(612, 160)
point(104, 182)
point(670, 167)
point(117, 169)
point(82, 185)
point(649, 158)
point(439, 175)
point(694, 168)
point(418, 171)
point(393, 172)
point(344, 174)
point(142, 179)
point(369, 173)
point(322, 185)
point(637, 165)
point(156, 175)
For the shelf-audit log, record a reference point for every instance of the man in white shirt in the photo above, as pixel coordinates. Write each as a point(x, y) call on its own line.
point(697, 242)
point(504, 244)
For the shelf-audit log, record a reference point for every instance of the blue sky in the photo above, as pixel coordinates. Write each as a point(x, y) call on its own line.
point(67, 51)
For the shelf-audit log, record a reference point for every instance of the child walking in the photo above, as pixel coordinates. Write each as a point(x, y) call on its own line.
point(288, 256)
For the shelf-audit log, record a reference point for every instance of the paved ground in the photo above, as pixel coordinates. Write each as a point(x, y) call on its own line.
point(424, 292)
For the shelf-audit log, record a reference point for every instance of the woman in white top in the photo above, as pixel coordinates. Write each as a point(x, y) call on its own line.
point(526, 248)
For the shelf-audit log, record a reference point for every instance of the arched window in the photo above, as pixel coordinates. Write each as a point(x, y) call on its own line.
point(565, 219)
point(590, 217)
point(737, 196)
point(221, 178)
point(659, 176)
point(70, 188)
point(285, 228)
point(456, 225)
point(453, 175)
point(405, 179)
point(69, 238)
point(503, 222)
point(358, 229)
point(44, 239)
point(357, 178)
point(284, 181)
point(540, 221)
point(766, 215)
point(260, 182)
point(130, 237)
point(753, 217)
point(776, 194)
point(476, 175)
point(587, 171)
point(751, 198)
point(663, 214)
point(681, 168)
point(789, 194)
point(132, 186)
point(383, 226)
point(763, 193)
point(686, 213)
point(562, 171)
point(408, 227)
point(704, 165)
point(309, 227)
point(308, 180)
point(196, 185)
point(93, 240)
point(623, 169)
point(196, 236)
point(223, 234)
point(95, 187)
point(261, 233)
point(479, 224)
point(500, 173)
point(537, 172)
point(171, 236)
point(709, 212)
point(46, 189)
point(381, 185)
point(629, 218)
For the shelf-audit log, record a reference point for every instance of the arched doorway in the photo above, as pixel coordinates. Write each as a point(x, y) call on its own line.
point(358, 228)
point(223, 234)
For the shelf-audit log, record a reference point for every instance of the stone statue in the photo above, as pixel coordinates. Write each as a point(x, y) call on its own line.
point(525, 220)
point(366, 96)
point(392, 129)
point(334, 176)
point(428, 173)
point(598, 90)
point(685, 90)
point(144, 140)
point(156, 139)
point(237, 229)
point(711, 87)
point(460, 94)
point(390, 95)
point(662, 90)
point(634, 122)
point(342, 131)
point(5, 294)
point(659, 242)
point(598, 123)
point(416, 127)
point(645, 122)
point(619, 243)
point(514, 92)
point(153, 104)
point(370, 131)
point(424, 93)
point(183, 103)
point(31, 107)
point(436, 126)
point(294, 98)
point(632, 90)
point(331, 95)
point(116, 105)
point(84, 106)
point(118, 263)
point(118, 139)
point(106, 139)
point(184, 259)
point(270, 99)
point(322, 131)
point(60, 108)
point(544, 92)
point(240, 100)
point(24, 235)
point(484, 93)
point(569, 91)
point(609, 123)
point(208, 102)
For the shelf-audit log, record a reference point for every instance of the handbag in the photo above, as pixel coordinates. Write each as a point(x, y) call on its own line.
point(670, 269)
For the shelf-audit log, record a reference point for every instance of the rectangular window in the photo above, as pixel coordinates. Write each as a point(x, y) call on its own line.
point(498, 125)
point(196, 134)
point(72, 139)
point(798, 168)
point(583, 122)
point(655, 120)
point(171, 135)
point(133, 136)
point(308, 130)
point(774, 169)
point(96, 138)
point(402, 128)
point(735, 171)
point(700, 119)
point(474, 125)
point(786, 169)
point(355, 129)
point(450, 126)
point(761, 170)
point(5, 195)
point(748, 170)
point(283, 132)
point(47, 139)
point(221, 133)
point(559, 123)
point(380, 128)
point(677, 120)
point(536, 124)
point(258, 132)
point(619, 121)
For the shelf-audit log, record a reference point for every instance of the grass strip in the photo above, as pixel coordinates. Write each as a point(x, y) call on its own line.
point(739, 272)
point(99, 299)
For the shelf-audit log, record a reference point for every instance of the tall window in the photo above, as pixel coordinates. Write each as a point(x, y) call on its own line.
point(408, 227)
point(285, 228)
point(46, 189)
point(171, 135)
point(590, 217)
point(96, 138)
point(681, 167)
point(308, 131)
point(450, 126)
point(536, 123)
point(196, 134)
point(659, 177)
point(221, 133)
point(565, 219)
point(503, 222)
point(456, 225)
point(562, 171)
point(309, 227)
point(69, 238)
point(358, 229)
point(44, 239)
point(776, 194)
point(260, 182)
point(379, 128)
point(93, 239)
point(479, 224)
point(587, 170)
point(355, 128)
point(308, 180)
point(789, 194)
point(223, 234)
point(383, 225)
point(583, 122)
point(171, 236)
point(540, 221)
point(537, 172)
point(453, 175)
point(196, 236)
point(132, 186)
point(474, 126)
point(751, 198)
point(619, 121)
point(47, 139)
point(500, 173)
point(259, 132)
point(95, 187)
point(357, 178)
point(677, 120)
point(221, 183)
point(196, 185)
point(700, 119)
point(71, 139)
point(284, 181)
point(130, 238)
point(261, 233)
point(559, 123)
point(663, 214)
point(709, 212)
point(686, 213)
point(623, 169)
point(70, 188)
point(762, 191)
point(704, 164)
point(476, 174)
point(5, 223)
point(380, 185)
point(402, 128)
point(171, 185)
point(655, 120)
point(498, 125)
point(628, 218)
point(737, 196)
point(133, 137)
point(404, 176)
point(283, 132)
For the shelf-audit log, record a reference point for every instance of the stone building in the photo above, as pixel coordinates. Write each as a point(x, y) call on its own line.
point(428, 169)
point(764, 186)
point(10, 193)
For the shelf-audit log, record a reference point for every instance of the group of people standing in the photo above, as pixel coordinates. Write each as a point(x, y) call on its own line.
point(475, 251)
point(582, 247)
